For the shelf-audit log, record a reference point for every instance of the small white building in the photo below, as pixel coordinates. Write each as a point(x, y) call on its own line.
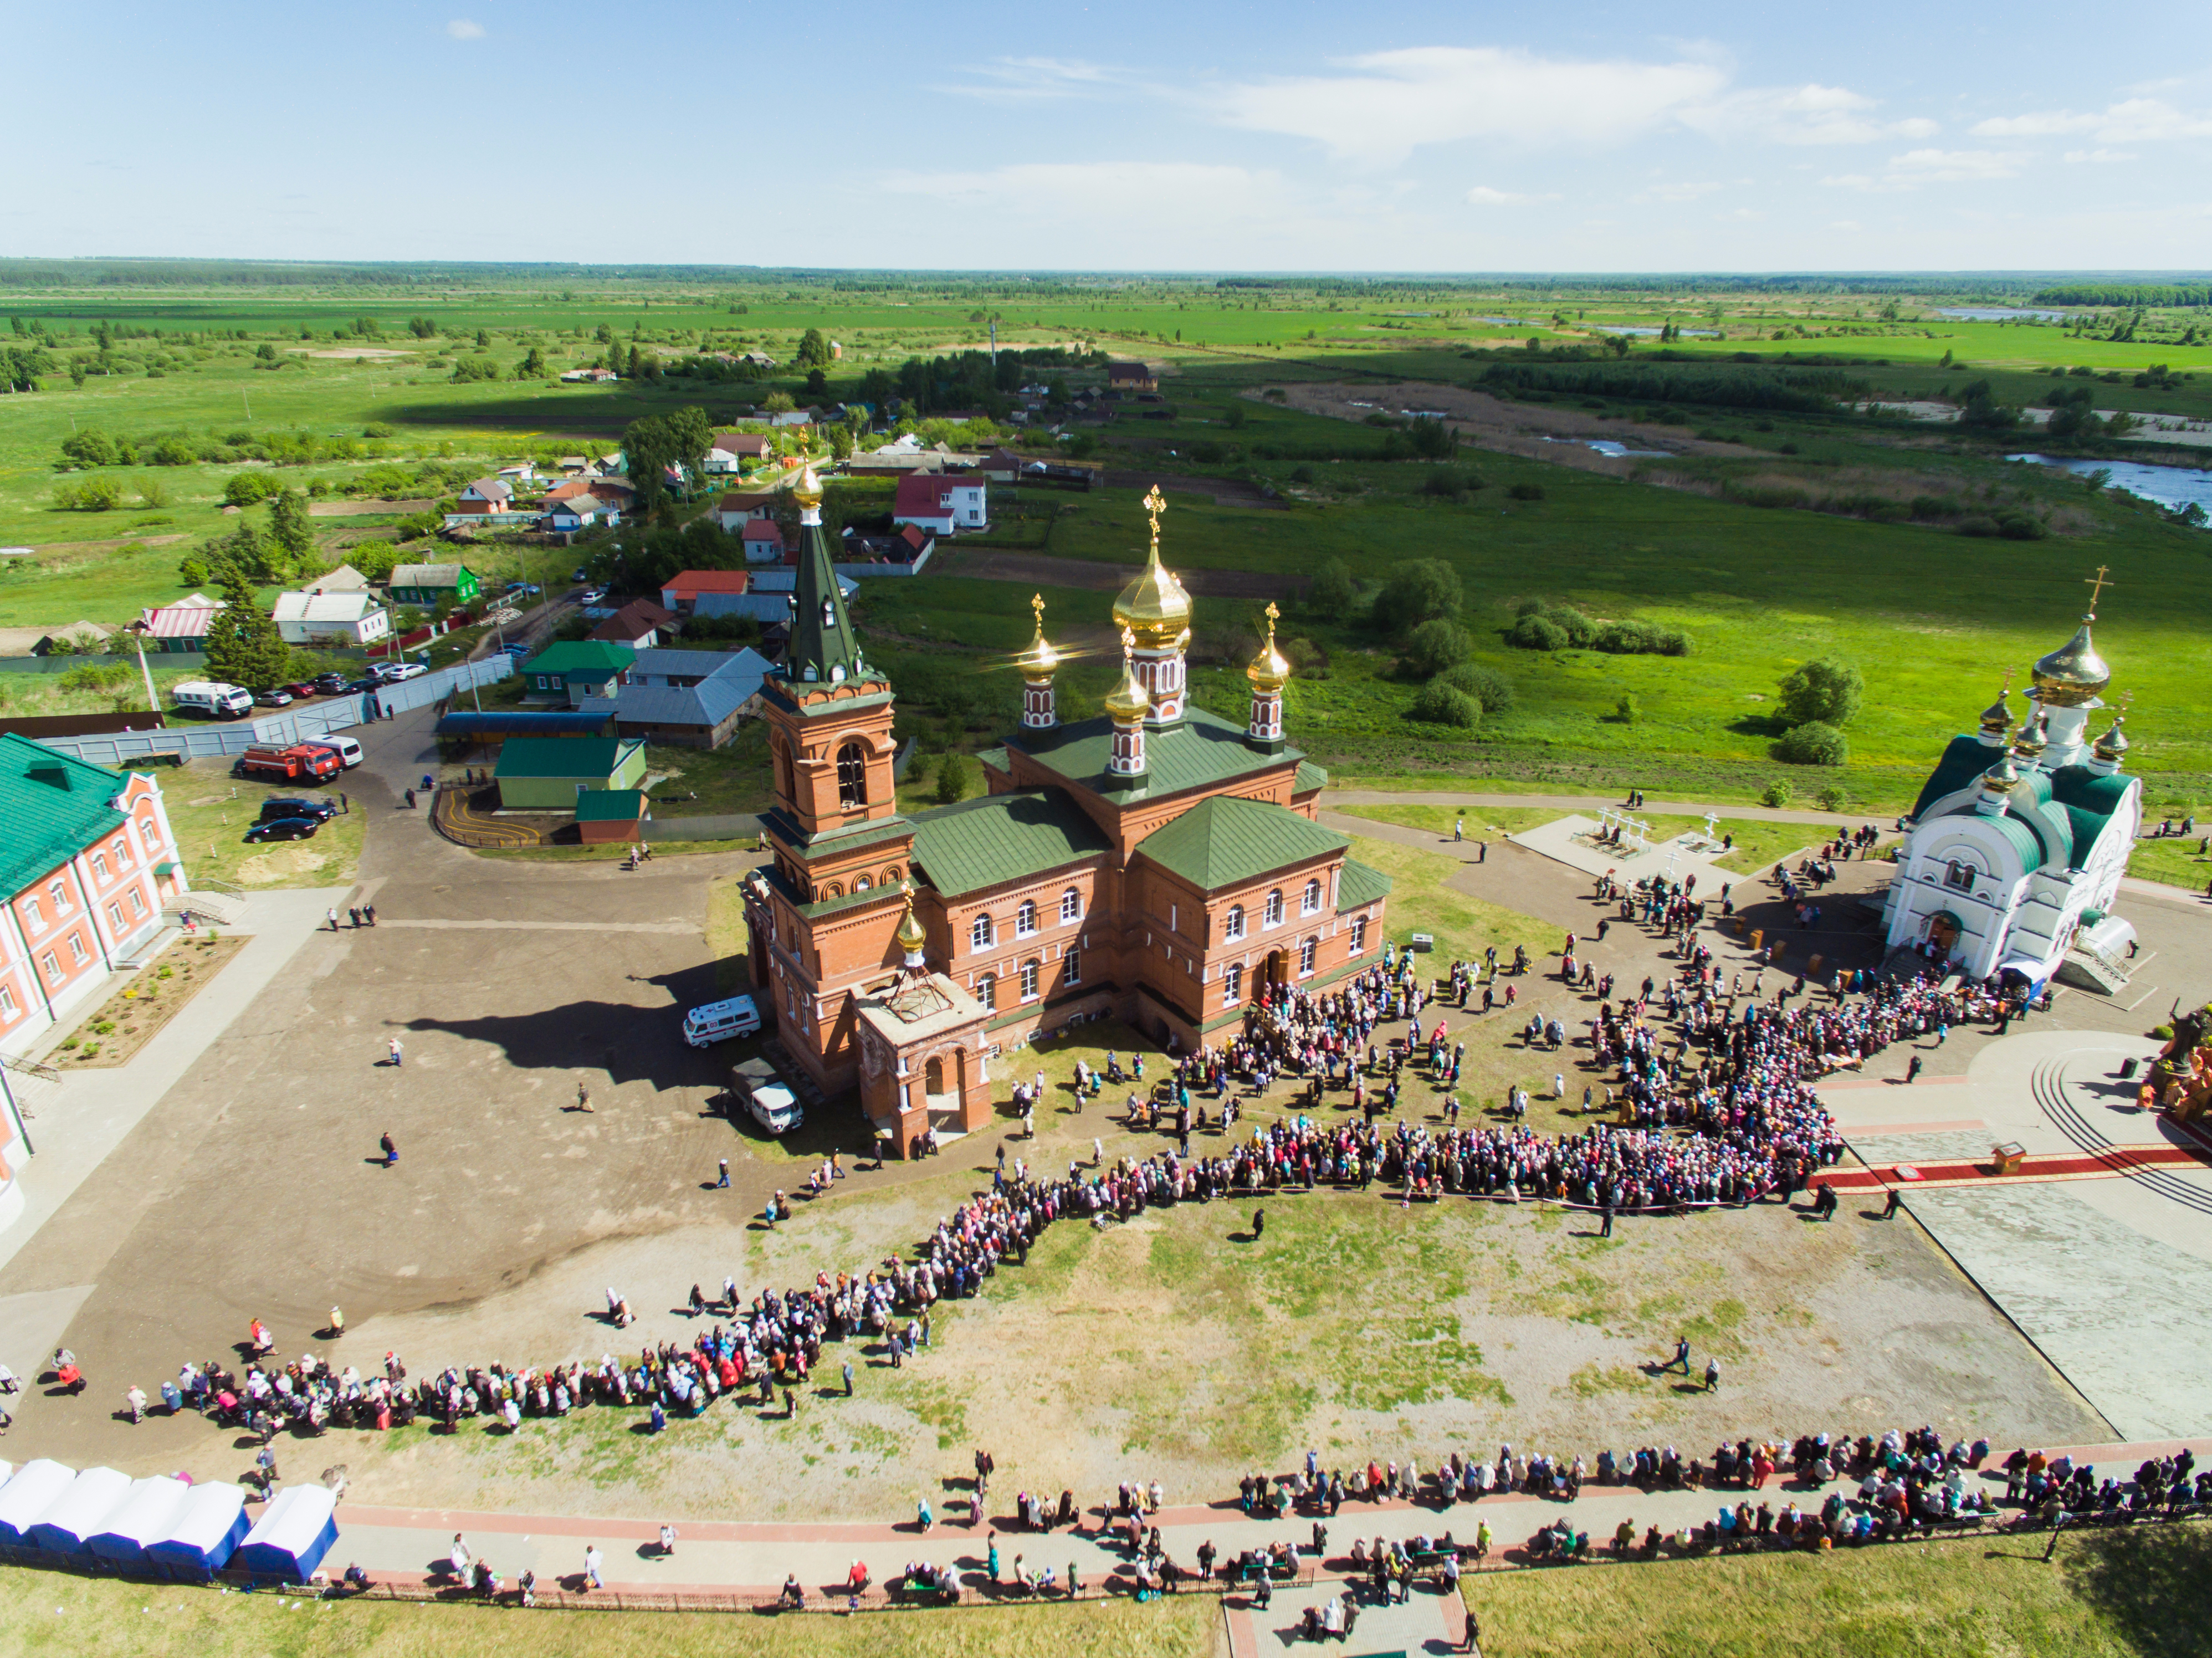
point(341, 618)
point(2014, 852)
point(941, 503)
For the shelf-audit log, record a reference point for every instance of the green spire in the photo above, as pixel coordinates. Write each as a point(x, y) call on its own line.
point(823, 647)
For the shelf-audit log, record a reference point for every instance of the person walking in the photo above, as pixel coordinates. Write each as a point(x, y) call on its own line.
point(1681, 1357)
point(592, 1558)
point(1607, 1212)
point(667, 1541)
point(1472, 1641)
point(1712, 1375)
point(353, 915)
point(390, 1148)
point(368, 913)
point(337, 1322)
point(1258, 1224)
point(722, 1182)
point(848, 1378)
point(398, 1053)
point(136, 1398)
point(1889, 1209)
point(583, 1097)
point(334, 918)
point(1459, 827)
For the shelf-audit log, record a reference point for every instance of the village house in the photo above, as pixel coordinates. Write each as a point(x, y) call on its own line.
point(576, 512)
point(940, 502)
point(694, 593)
point(689, 699)
point(639, 625)
point(732, 451)
point(547, 774)
point(1130, 377)
point(569, 671)
point(485, 495)
point(741, 506)
point(353, 620)
point(764, 542)
point(182, 626)
point(427, 587)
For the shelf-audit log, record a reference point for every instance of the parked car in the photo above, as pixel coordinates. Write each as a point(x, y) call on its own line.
point(591, 595)
point(276, 698)
point(348, 751)
point(530, 588)
point(718, 1021)
point(212, 696)
point(364, 685)
point(330, 684)
point(400, 671)
point(578, 575)
point(285, 829)
point(765, 1097)
point(277, 807)
point(299, 690)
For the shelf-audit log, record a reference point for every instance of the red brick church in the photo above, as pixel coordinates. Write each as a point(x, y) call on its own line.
point(1158, 865)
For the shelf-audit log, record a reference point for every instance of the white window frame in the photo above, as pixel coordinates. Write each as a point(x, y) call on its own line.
point(1025, 914)
point(980, 934)
point(1071, 905)
point(7, 1008)
point(58, 891)
point(1308, 956)
point(35, 914)
point(100, 868)
point(1309, 900)
point(1232, 984)
point(137, 901)
point(1270, 912)
point(77, 948)
point(1232, 924)
point(1032, 974)
point(987, 992)
point(123, 852)
point(115, 916)
point(1358, 936)
point(1071, 968)
point(48, 961)
point(152, 834)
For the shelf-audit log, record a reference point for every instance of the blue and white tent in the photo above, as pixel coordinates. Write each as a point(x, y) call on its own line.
point(68, 1526)
point(292, 1536)
point(143, 1516)
point(206, 1532)
point(30, 1491)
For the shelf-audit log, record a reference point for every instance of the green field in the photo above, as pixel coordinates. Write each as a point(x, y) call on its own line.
point(1796, 529)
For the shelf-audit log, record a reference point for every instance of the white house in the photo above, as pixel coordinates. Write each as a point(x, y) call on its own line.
point(940, 502)
point(578, 512)
point(740, 507)
point(324, 618)
point(2013, 856)
point(732, 451)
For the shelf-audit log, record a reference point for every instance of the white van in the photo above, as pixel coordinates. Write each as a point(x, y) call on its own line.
point(719, 1021)
point(212, 697)
point(767, 1100)
point(348, 751)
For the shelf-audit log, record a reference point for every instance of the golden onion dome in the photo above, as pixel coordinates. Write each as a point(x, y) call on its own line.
point(1128, 701)
point(912, 935)
point(1040, 661)
point(2071, 676)
point(2113, 745)
point(807, 492)
point(1154, 606)
point(2000, 777)
point(2030, 740)
point(1998, 717)
point(1269, 671)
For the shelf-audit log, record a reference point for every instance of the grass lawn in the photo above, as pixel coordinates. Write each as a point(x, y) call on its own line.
point(211, 812)
point(54, 1615)
point(610, 852)
point(2139, 1592)
point(731, 779)
point(727, 937)
point(2173, 860)
point(1758, 842)
point(1422, 900)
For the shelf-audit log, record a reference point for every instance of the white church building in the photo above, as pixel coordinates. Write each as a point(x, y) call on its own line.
point(2014, 852)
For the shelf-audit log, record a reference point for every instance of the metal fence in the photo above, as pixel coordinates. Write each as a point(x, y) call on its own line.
point(729, 826)
point(286, 726)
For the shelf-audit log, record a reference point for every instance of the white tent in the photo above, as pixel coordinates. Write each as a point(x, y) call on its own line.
point(144, 1516)
point(80, 1511)
point(206, 1532)
point(292, 1536)
point(30, 1491)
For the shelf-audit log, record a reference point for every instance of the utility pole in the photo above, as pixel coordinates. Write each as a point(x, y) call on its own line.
point(138, 637)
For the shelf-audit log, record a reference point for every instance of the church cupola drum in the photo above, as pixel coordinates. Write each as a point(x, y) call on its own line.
point(1038, 663)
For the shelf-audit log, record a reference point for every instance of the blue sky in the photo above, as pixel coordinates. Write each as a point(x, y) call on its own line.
point(1288, 136)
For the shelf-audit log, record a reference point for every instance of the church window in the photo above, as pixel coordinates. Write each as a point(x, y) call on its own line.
point(832, 890)
point(891, 876)
point(1071, 905)
point(1273, 915)
point(1959, 876)
point(852, 776)
point(1029, 981)
point(1232, 984)
point(1026, 920)
point(979, 935)
point(1232, 925)
point(829, 614)
point(1309, 901)
point(861, 883)
point(1360, 936)
point(987, 991)
point(784, 785)
point(1072, 967)
point(1307, 951)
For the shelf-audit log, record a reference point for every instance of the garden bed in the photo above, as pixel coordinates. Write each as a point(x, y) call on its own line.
point(128, 1020)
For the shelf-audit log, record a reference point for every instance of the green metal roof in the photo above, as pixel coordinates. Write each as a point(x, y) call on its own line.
point(609, 805)
point(2090, 798)
point(563, 756)
point(1002, 838)
point(53, 805)
point(1310, 776)
point(994, 758)
point(2023, 838)
point(2048, 825)
point(1965, 759)
point(838, 838)
point(821, 636)
point(580, 656)
point(1202, 750)
point(1223, 840)
point(1360, 883)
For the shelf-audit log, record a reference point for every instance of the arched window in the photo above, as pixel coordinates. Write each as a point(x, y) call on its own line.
point(933, 1077)
point(891, 877)
point(987, 991)
point(1359, 937)
point(784, 785)
point(1306, 953)
point(829, 614)
point(1309, 900)
point(1071, 905)
point(1232, 925)
point(861, 883)
point(1959, 876)
point(1272, 915)
point(1029, 981)
point(1232, 984)
point(1026, 920)
point(852, 776)
point(979, 936)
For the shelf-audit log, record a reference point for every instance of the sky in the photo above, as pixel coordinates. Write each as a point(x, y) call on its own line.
point(1133, 135)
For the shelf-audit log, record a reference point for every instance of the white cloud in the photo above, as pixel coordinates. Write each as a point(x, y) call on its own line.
point(2078, 156)
point(1845, 224)
point(1394, 101)
point(1484, 196)
point(1676, 192)
point(1746, 213)
point(2132, 121)
point(1916, 167)
point(1156, 193)
point(1810, 114)
point(461, 29)
point(1027, 80)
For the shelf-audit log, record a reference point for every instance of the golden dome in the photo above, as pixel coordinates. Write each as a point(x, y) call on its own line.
point(2113, 745)
point(1269, 671)
point(1040, 660)
point(1154, 606)
point(2000, 777)
point(1128, 701)
point(912, 935)
point(807, 492)
point(2032, 739)
point(1998, 717)
point(2071, 676)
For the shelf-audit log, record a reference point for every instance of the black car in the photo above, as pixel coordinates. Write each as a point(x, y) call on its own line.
point(362, 686)
point(330, 684)
point(292, 805)
point(285, 829)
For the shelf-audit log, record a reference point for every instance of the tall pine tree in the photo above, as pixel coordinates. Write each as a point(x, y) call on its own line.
point(242, 646)
point(288, 528)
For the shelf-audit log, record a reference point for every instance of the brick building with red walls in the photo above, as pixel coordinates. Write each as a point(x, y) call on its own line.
point(1157, 863)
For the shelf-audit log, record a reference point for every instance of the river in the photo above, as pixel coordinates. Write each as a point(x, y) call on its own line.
point(2171, 487)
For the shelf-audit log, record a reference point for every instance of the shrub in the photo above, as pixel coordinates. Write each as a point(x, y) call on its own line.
point(1445, 705)
point(1835, 797)
point(246, 489)
point(1420, 590)
point(2020, 527)
point(951, 780)
point(1526, 492)
point(92, 495)
point(1627, 708)
point(1485, 685)
point(1825, 691)
point(90, 447)
point(1580, 630)
point(1815, 742)
point(1434, 645)
point(1976, 525)
point(1330, 593)
point(1776, 793)
point(1302, 474)
point(1537, 633)
point(379, 429)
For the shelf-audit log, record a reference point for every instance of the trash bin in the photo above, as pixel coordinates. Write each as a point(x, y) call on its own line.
point(2128, 1070)
point(2008, 1157)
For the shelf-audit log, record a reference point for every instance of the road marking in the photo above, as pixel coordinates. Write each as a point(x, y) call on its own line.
point(545, 926)
point(2141, 999)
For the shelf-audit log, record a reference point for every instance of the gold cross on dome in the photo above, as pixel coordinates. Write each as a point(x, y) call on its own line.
point(1272, 614)
point(1155, 503)
point(1036, 604)
point(2098, 584)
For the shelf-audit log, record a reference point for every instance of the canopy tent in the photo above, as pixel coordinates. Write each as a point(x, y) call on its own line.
point(83, 1509)
point(30, 1491)
point(206, 1532)
point(143, 1516)
point(293, 1535)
